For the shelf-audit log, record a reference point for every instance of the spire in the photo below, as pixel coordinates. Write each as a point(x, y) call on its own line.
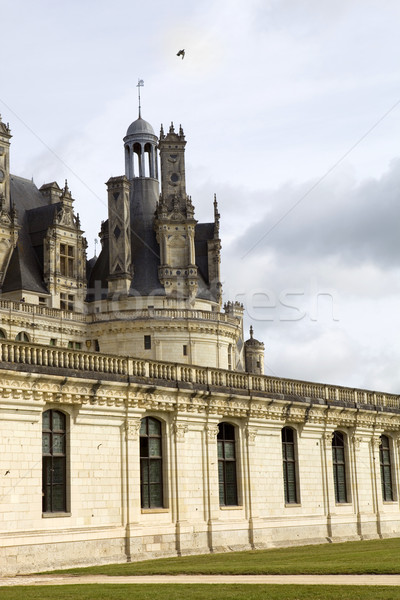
point(139, 85)
point(216, 217)
point(251, 332)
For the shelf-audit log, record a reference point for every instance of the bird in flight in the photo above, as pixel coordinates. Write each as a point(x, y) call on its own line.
point(181, 53)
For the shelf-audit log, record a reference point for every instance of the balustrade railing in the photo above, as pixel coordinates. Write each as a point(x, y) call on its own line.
point(90, 363)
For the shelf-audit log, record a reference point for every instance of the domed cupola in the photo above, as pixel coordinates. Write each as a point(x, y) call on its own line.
point(140, 145)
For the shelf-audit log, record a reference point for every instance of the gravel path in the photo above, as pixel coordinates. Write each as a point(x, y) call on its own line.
point(206, 579)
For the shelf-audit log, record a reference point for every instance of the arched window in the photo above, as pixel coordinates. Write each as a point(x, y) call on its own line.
point(227, 465)
point(151, 479)
point(289, 465)
point(22, 336)
point(54, 453)
point(386, 469)
point(339, 466)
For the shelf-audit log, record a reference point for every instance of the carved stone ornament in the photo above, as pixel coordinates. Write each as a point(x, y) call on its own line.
point(212, 432)
point(251, 434)
point(132, 429)
point(180, 429)
point(375, 442)
point(356, 439)
point(327, 437)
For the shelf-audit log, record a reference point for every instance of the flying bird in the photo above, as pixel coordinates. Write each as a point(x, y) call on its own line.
point(181, 53)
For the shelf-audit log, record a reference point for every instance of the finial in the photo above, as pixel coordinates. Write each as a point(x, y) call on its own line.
point(251, 331)
point(66, 186)
point(172, 129)
point(139, 85)
point(162, 132)
point(181, 131)
point(96, 241)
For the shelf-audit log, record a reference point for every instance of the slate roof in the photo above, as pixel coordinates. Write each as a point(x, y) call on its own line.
point(25, 270)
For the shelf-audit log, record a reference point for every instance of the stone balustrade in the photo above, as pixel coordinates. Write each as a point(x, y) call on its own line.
point(92, 363)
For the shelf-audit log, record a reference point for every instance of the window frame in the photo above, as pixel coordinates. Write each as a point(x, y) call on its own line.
point(67, 260)
point(146, 465)
point(224, 471)
point(290, 466)
point(386, 467)
point(50, 458)
point(340, 468)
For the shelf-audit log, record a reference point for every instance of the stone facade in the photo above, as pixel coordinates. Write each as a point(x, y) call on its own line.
point(135, 421)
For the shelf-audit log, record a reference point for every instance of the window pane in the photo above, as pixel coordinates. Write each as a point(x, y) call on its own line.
point(155, 471)
point(46, 441)
point(155, 496)
point(220, 449)
point(145, 496)
point(143, 430)
point(58, 421)
point(230, 472)
point(144, 447)
point(58, 443)
point(144, 472)
point(46, 420)
point(155, 446)
point(154, 427)
point(231, 496)
point(58, 470)
point(58, 500)
point(229, 449)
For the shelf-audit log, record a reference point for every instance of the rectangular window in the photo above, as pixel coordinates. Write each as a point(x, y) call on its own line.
point(151, 480)
point(66, 301)
point(54, 472)
point(147, 342)
point(386, 469)
point(66, 260)
point(228, 495)
point(42, 300)
point(75, 345)
point(185, 350)
point(289, 465)
point(53, 341)
point(339, 467)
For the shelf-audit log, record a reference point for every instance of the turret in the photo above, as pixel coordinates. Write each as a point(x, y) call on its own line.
point(254, 355)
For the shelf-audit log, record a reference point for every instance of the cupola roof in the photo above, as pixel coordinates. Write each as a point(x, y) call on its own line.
point(140, 126)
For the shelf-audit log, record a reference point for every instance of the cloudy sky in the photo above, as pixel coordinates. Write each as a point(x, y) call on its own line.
point(291, 110)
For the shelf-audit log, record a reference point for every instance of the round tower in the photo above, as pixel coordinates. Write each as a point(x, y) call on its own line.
point(254, 355)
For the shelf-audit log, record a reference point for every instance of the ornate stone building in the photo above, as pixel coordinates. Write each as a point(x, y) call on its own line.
point(135, 421)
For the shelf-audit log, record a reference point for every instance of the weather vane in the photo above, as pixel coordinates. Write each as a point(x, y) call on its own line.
point(139, 85)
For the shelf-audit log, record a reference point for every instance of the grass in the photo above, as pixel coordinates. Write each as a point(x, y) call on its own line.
point(199, 592)
point(362, 557)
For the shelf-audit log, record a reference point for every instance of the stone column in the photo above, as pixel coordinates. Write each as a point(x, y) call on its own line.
point(131, 489)
point(329, 498)
point(376, 478)
point(179, 430)
point(355, 448)
point(248, 481)
point(212, 483)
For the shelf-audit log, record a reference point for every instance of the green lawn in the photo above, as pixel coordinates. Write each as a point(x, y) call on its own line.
point(199, 592)
point(363, 557)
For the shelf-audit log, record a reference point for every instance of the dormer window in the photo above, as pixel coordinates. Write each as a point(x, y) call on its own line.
point(66, 260)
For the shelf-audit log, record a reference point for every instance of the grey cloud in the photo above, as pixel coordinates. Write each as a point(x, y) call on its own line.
point(352, 223)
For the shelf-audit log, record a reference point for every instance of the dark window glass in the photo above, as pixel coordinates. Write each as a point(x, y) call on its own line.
point(147, 342)
point(386, 469)
point(54, 461)
point(227, 465)
point(339, 467)
point(151, 481)
point(289, 466)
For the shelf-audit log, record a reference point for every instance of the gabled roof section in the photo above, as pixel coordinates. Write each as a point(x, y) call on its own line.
point(24, 270)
